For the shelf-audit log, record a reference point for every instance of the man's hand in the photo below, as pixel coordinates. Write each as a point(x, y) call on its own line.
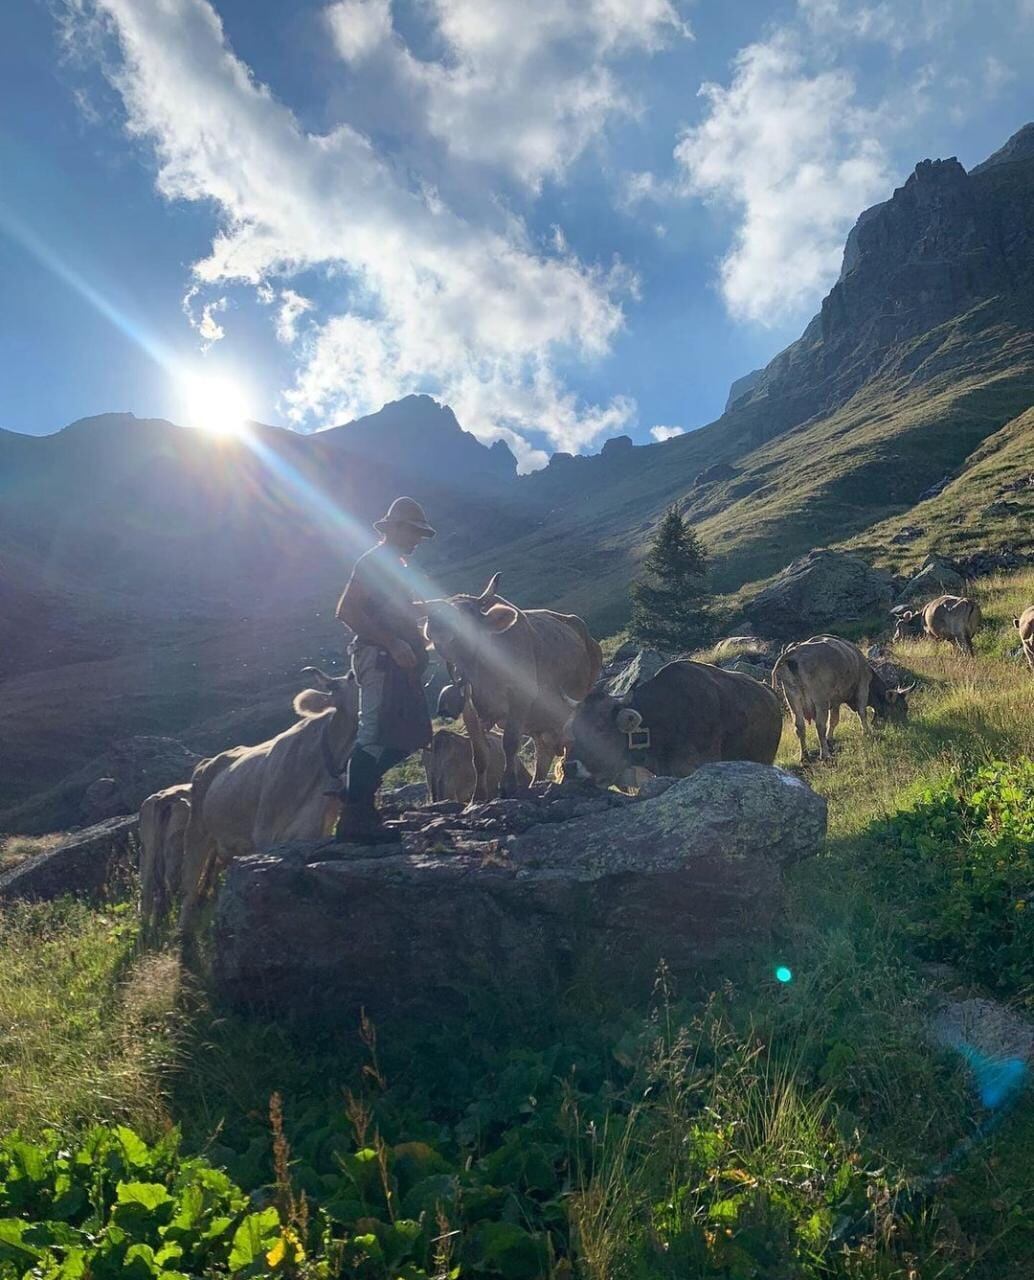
point(402, 655)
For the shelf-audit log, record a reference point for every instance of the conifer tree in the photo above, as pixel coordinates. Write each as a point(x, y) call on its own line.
point(669, 605)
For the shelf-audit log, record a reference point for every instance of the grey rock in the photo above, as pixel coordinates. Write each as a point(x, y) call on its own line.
point(685, 877)
point(655, 786)
point(411, 796)
point(96, 863)
point(937, 577)
point(643, 664)
point(101, 800)
point(820, 592)
point(756, 670)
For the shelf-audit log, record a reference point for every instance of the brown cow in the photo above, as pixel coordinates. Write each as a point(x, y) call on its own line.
point(520, 669)
point(163, 826)
point(249, 798)
point(1025, 625)
point(688, 714)
point(449, 765)
point(820, 675)
point(955, 619)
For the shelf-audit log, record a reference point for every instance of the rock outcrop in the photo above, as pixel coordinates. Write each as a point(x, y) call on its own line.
point(937, 577)
point(517, 900)
point(820, 592)
point(96, 863)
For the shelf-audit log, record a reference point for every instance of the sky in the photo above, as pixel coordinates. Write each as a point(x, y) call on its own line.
point(569, 219)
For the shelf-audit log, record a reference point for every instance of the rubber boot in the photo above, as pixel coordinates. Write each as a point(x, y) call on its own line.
point(360, 823)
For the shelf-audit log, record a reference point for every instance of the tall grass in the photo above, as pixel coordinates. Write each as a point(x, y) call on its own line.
point(87, 1026)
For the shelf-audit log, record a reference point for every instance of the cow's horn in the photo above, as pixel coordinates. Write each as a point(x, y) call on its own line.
point(908, 688)
point(628, 720)
point(318, 673)
point(489, 592)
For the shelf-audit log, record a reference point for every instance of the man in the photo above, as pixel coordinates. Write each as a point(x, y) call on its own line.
point(388, 657)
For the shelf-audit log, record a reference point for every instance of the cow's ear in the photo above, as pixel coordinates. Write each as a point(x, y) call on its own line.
point(1016, 622)
point(500, 617)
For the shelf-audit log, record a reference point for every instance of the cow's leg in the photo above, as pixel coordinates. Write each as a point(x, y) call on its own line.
point(1028, 653)
point(512, 737)
point(831, 723)
point(861, 704)
point(198, 856)
point(547, 748)
point(821, 719)
point(479, 752)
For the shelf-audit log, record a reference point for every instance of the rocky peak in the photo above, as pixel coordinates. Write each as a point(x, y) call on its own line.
point(1019, 147)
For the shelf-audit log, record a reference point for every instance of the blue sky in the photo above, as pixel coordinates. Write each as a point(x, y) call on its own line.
point(567, 218)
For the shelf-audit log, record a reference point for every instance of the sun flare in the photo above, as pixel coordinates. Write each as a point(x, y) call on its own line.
point(216, 404)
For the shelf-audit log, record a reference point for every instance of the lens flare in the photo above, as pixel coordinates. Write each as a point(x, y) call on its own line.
point(783, 974)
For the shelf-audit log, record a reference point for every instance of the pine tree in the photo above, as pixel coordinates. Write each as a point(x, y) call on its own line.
point(669, 605)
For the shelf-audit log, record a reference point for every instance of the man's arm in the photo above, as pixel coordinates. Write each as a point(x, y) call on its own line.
point(352, 611)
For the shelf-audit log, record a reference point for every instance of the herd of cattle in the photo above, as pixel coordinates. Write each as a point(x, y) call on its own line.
point(518, 674)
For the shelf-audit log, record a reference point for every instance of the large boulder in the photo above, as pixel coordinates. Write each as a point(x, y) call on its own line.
point(937, 577)
point(630, 666)
point(820, 592)
point(682, 877)
point(96, 863)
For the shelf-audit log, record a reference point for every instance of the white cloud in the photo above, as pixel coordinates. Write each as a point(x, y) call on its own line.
point(292, 307)
point(996, 74)
point(472, 310)
point(209, 329)
point(359, 27)
point(666, 433)
point(895, 23)
point(523, 86)
point(797, 160)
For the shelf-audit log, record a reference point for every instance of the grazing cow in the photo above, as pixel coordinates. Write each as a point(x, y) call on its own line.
point(1025, 625)
point(163, 825)
point(688, 714)
point(249, 798)
point(449, 765)
point(952, 618)
point(522, 670)
point(820, 675)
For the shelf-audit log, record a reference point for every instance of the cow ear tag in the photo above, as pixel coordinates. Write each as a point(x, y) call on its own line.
point(638, 739)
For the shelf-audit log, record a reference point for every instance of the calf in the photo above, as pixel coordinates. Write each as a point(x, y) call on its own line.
point(163, 826)
point(449, 765)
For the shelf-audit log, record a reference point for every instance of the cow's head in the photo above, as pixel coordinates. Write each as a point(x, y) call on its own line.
point(601, 738)
point(908, 624)
point(889, 704)
point(339, 692)
point(457, 627)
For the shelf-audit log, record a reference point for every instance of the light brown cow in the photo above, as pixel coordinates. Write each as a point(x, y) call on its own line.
point(249, 798)
point(523, 670)
point(1025, 625)
point(955, 619)
point(820, 675)
point(163, 825)
point(449, 765)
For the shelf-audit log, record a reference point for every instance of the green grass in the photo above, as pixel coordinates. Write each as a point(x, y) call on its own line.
point(740, 1126)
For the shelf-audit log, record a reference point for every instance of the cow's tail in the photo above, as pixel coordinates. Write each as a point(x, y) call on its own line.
point(786, 680)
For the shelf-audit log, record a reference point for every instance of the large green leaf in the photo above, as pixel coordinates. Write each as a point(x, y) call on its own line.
point(253, 1239)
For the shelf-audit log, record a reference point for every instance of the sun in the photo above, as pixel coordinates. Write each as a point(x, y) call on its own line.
point(215, 403)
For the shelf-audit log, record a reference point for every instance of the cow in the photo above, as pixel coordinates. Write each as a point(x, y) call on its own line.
point(521, 670)
point(249, 798)
point(688, 714)
point(818, 676)
point(163, 825)
point(1025, 625)
point(951, 618)
point(449, 765)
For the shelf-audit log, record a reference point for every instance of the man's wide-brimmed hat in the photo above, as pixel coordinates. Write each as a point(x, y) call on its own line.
point(405, 511)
